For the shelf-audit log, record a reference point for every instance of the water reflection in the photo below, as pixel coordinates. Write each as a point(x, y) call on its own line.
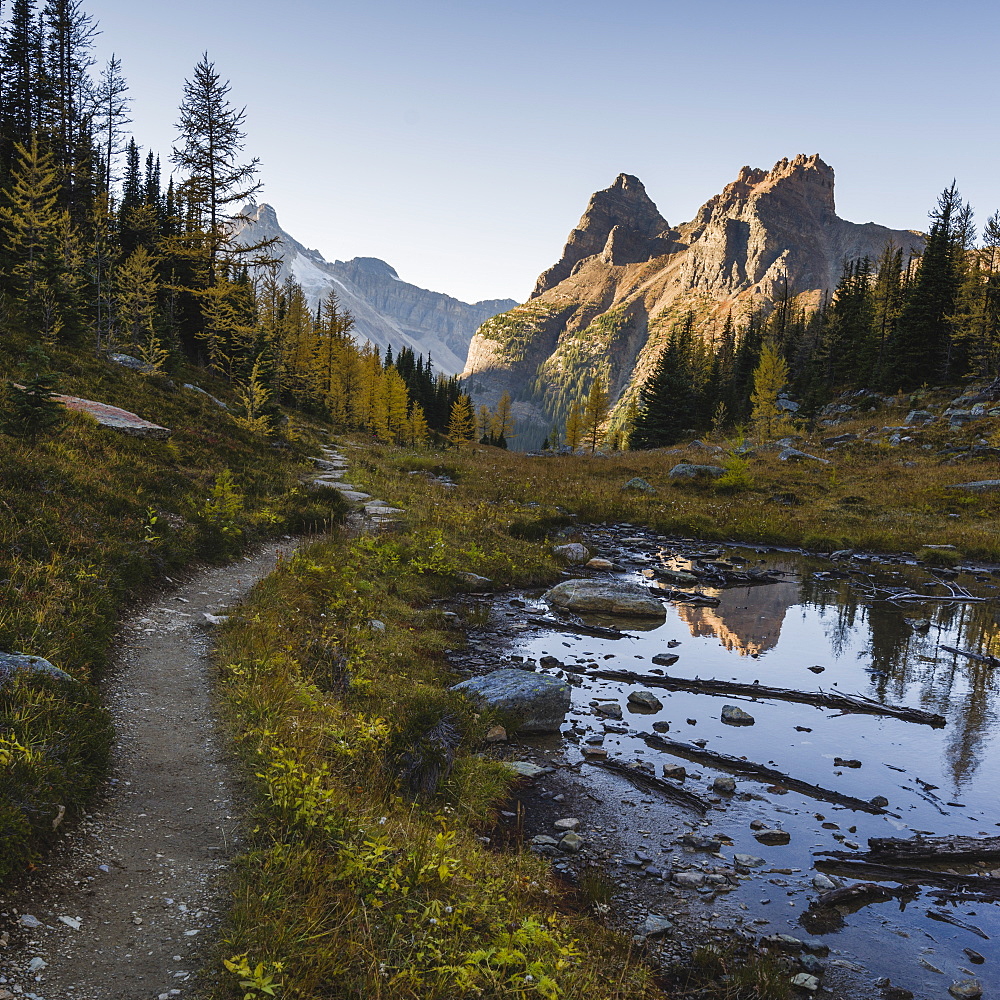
point(897, 646)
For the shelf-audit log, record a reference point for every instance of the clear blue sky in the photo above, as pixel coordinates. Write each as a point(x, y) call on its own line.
point(460, 141)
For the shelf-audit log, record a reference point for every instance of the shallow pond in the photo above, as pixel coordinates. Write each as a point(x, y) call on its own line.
point(820, 614)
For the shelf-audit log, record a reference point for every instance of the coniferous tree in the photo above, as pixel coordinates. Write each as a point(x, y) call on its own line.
point(596, 411)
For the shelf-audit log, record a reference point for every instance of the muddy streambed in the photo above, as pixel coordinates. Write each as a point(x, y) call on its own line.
point(822, 625)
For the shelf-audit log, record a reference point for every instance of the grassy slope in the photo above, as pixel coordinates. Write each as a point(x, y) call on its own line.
point(89, 520)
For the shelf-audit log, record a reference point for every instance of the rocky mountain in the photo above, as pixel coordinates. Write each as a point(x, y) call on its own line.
point(626, 276)
point(387, 310)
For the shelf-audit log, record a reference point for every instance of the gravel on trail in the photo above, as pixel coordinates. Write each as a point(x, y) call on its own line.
point(128, 905)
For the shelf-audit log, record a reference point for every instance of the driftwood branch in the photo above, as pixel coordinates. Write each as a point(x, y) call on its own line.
point(924, 850)
point(644, 781)
point(574, 628)
point(947, 918)
point(909, 876)
point(738, 765)
point(990, 661)
point(845, 702)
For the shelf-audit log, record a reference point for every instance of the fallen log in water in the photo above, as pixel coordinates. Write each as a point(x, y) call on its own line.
point(826, 913)
point(573, 628)
point(649, 781)
point(827, 699)
point(990, 661)
point(945, 850)
point(738, 765)
point(987, 884)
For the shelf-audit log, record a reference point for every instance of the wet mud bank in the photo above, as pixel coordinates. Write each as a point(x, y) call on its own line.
point(768, 858)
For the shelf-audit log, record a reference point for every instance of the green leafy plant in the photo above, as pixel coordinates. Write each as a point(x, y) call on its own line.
point(257, 981)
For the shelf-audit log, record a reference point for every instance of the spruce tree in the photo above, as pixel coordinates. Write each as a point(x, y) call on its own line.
point(210, 151)
point(32, 410)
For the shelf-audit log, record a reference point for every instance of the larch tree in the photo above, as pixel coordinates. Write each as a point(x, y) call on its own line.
point(596, 412)
point(462, 422)
point(573, 431)
point(769, 378)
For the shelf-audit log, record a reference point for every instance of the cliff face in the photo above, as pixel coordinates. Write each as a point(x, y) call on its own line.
point(625, 276)
point(386, 310)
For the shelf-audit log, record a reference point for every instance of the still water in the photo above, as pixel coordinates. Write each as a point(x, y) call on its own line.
point(819, 614)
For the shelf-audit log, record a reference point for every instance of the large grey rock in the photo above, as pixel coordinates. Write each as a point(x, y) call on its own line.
point(610, 598)
point(919, 417)
point(733, 715)
point(12, 663)
point(573, 553)
point(535, 703)
point(638, 485)
point(688, 470)
point(127, 361)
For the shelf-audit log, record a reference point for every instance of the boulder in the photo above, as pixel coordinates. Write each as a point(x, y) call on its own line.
point(735, 716)
point(638, 485)
point(687, 470)
point(678, 577)
point(600, 564)
point(966, 989)
point(535, 703)
point(655, 926)
point(127, 361)
point(198, 388)
point(918, 417)
point(773, 837)
point(724, 784)
point(676, 771)
point(794, 455)
point(12, 663)
point(622, 599)
point(832, 442)
point(572, 843)
point(573, 553)
point(644, 701)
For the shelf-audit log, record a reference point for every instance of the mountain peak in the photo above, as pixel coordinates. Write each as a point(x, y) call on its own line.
point(623, 208)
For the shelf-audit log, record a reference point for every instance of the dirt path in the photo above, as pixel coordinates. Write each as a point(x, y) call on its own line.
point(128, 906)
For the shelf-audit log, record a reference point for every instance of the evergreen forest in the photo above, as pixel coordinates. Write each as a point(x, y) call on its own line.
point(98, 251)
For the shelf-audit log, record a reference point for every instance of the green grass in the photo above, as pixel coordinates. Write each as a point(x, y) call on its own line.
point(367, 870)
point(90, 520)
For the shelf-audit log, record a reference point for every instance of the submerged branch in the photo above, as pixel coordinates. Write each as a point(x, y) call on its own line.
point(828, 699)
point(738, 765)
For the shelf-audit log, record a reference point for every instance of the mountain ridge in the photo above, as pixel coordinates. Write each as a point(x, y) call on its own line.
point(626, 276)
point(387, 310)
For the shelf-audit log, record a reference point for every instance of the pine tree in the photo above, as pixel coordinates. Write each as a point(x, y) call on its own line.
point(417, 430)
point(32, 410)
point(669, 401)
point(502, 421)
point(921, 346)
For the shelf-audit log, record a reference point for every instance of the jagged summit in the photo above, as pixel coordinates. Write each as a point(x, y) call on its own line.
point(625, 277)
point(625, 207)
point(387, 311)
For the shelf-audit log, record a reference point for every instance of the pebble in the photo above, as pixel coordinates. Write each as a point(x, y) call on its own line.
point(655, 925)
point(676, 771)
point(569, 824)
point(724, 784)
point(645, 700)
point(966, 989)
point(773, 837)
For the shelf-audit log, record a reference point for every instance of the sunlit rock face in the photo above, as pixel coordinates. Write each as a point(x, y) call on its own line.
point(626, 277)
